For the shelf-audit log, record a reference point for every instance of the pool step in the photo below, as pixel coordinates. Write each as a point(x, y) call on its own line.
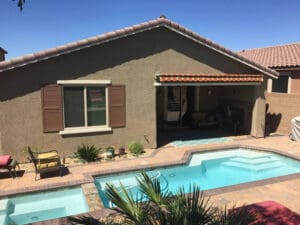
point(38, 215)
point(254, 161)
point(252, 167)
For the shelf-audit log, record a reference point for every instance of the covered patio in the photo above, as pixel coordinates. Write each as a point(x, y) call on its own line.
point(196, 106)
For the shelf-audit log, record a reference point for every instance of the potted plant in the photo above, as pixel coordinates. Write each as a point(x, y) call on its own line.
point(110, 152)
point(122, 151)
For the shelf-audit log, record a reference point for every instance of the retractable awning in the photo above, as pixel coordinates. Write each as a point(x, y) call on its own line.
point(208, 79)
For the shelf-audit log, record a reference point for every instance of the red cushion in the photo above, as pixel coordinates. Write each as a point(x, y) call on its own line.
point(273, 213)
point(4, 160)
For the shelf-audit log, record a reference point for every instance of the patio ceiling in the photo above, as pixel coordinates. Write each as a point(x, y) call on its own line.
point(208, 79)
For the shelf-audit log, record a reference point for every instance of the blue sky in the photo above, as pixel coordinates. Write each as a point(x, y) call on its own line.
point(234, 24)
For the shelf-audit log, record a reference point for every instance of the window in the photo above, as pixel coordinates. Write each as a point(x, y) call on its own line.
point(74, 106)
point(81, 106)
point(281, 84)
point(85, 106)
point(174, 95)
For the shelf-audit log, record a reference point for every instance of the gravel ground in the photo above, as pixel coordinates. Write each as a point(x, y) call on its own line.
point(70, 161)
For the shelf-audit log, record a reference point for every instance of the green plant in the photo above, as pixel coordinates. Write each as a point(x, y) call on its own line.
point(87, 153)
point(136, 148)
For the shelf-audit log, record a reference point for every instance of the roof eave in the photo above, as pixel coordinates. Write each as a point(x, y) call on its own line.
point(161, 22)
point(74, 49)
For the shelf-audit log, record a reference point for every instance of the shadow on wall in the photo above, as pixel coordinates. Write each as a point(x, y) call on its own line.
point(272, 121)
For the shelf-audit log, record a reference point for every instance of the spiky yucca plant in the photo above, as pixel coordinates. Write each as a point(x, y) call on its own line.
point(87, 153)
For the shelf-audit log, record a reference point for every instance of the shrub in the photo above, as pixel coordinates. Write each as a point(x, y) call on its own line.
point(136, 148)
point(87, 153)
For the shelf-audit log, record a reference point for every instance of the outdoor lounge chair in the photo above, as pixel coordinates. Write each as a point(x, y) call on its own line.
point(45, 162)
point(6, 162)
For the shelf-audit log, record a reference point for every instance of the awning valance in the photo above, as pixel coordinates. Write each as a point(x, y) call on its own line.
point(209, 78)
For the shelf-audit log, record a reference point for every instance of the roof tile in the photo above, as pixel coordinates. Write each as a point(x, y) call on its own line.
point(276, 56)
point(162, 21)
point(208, 78)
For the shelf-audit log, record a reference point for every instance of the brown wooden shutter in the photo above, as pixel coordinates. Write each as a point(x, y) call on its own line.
point(52, 108)
point(117, 103)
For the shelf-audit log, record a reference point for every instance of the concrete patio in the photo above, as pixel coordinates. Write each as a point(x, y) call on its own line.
point(284, 190)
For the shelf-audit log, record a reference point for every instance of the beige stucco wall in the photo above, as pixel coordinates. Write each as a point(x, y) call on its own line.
point(259, 110)
point(295, 83)
point(282, 109)
point(132, 61)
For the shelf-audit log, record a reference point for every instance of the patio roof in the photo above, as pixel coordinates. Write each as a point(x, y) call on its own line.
point(224, 79)
point(162, 21)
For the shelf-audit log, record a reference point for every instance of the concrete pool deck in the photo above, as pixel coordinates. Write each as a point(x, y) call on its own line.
point(285, 190)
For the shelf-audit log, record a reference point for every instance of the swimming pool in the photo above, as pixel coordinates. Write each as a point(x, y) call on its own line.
point(185, 143)
point(209, 170)
point(35, 207)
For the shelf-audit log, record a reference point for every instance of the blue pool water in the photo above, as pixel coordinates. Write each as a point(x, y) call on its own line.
point(209, 170)
point(41, 206)
point(200, 141)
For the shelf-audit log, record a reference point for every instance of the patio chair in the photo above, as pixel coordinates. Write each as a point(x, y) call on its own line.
point(6, 162)
point(45, 162)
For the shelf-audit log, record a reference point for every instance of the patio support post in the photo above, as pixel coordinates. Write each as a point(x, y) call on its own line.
point(258, 113)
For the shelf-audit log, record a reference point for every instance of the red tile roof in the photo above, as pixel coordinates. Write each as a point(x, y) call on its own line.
point(208, 78)
point(3, 50)
point(96, 40)
point(276, 56)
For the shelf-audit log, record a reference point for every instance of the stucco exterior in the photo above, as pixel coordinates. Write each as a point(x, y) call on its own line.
point(295, 83)
point(133, 61)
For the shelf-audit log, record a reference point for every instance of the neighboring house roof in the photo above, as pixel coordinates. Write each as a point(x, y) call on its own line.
point(96, 40)
point(275, 57)
point(3, 50)
point(208, 78)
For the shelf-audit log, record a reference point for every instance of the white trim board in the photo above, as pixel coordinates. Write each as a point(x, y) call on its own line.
point(83, 82)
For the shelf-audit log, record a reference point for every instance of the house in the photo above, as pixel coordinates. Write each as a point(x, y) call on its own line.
point(285, 59)
point(281, 107)
point(2, 54)
point(124, 86)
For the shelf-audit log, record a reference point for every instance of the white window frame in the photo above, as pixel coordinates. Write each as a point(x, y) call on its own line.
point(85, 84)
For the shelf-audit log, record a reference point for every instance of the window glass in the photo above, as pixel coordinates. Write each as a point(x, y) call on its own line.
point(280, 84)
point(74, 106)
point(96, 106)
point(173, 98)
